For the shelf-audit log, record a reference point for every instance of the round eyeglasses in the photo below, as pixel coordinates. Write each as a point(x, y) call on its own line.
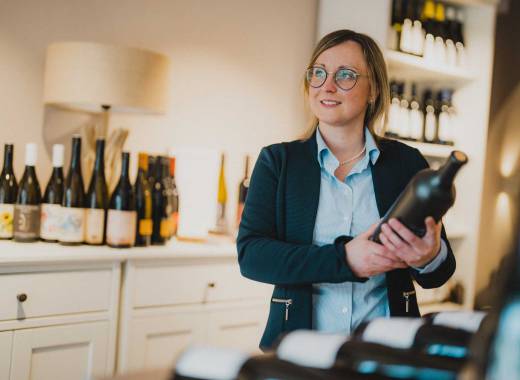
point(344, 78)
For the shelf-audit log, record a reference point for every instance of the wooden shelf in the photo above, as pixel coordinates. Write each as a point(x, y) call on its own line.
point(431, 150)
point(417, 69)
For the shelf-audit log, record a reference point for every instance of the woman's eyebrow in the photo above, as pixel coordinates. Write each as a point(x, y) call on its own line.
point(350, 67)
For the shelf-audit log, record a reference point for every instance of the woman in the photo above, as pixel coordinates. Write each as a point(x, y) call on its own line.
point(314, 203)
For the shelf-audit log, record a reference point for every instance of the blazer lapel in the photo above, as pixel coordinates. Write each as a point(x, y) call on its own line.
point(303, 190)
point(386, 177)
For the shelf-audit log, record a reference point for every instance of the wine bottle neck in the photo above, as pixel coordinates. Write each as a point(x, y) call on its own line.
point(447, 172)
point(99, 165)
point(8, 159)
point(125, 165)
point(75, 159)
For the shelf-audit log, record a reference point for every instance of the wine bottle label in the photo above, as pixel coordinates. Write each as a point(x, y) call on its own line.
point(121, 227)
point(50, 221)
point(94, 225)
point(145, 227)
point(6, 220)
point(72, 227)
point(26, 222)
point(396, 332)
point(165, 228)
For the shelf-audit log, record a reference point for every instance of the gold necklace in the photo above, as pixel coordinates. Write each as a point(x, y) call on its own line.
point(353, 158)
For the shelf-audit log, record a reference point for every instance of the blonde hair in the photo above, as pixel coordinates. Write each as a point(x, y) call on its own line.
point(377, 111)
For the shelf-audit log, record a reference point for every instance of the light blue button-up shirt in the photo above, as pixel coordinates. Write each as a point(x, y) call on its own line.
point(349, 208)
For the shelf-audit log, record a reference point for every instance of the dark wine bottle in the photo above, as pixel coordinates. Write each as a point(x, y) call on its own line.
point(8, 193)
point(161, 214)
point(151, 171)
point(27, 208)
point(97, 199)
point(167, 183)
point(242, 192)
point(73, 204)
point(122, 216)
point(429, 193)
point(175, 198)
point(143, 201)
point(52, 198)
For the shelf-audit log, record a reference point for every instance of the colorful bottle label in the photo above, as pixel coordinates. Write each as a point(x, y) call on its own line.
point(6, 220)
point(94, 225)
point(174, 222)
point(145, 227)
point(50, 221)
point(165, 229)
point(121, 227)
point(26, 222)
point(72, 225)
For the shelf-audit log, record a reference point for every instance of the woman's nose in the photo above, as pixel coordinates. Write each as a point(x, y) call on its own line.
point(330, 84)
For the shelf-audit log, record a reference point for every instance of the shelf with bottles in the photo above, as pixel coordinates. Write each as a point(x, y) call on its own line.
point(430, 149)
point(418, 69)
point(426, 41)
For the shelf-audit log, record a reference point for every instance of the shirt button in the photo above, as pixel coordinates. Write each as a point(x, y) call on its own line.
point(344, 310)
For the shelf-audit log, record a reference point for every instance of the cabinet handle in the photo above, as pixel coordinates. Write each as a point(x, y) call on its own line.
point(22, 297)
point(211, 285)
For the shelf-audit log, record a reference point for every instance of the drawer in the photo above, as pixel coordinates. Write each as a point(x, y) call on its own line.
point(54, 293)
point(191, 284)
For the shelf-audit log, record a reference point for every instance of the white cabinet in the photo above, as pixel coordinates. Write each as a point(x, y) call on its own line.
point(6, 340)
point(170, 304)
point(68, 352)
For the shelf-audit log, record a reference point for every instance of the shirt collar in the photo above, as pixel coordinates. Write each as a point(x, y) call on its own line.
point(327, 160)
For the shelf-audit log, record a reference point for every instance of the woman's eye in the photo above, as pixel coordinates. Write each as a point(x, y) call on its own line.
point(319, 73)
point(345, 75)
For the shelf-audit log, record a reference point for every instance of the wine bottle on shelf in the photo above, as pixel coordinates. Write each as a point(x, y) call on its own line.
point(417, 29)
point(175, 197)
point(50, 224)
point(428, 21)
point(8, 193)
point(27, 208)
point(459, 43)
point(445, 128)
point(429, 193)
point(160, 215)
point(396, 25)
point(406, 40)
point(151, 171)
point(416, 116)
point(221, 225)
point(121, 216)
point(439, 46)
point(394, 111)
point(449, 28)
point(143, 203)
point(404, 114)
point(469, 321)
point(97, 199)
point(72, 229)
point(167, 183)
point(242, 192)
point(430, 119)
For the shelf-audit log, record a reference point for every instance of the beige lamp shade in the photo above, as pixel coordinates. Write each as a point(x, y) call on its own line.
point(86, 76)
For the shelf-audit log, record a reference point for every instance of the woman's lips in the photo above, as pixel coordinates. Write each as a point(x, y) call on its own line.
point(329, 103)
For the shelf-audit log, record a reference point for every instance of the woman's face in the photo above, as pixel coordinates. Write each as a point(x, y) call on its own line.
point(332, 105)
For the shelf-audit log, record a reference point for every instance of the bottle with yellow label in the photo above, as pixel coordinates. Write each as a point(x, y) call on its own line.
point(143, 198)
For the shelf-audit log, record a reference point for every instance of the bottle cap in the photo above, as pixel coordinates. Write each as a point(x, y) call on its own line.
point(31, 154)
point(57, 155)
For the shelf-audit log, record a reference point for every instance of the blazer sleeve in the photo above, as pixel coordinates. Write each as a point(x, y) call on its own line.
point(446, 269)
point(262, 255)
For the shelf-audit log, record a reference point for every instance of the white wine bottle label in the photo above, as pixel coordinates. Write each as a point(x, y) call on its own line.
point(395, 332)
point(72, 225)
point(26, 222)
point(94, 225)
point(145, 227)
point(50, 221)
point(6, 220)
point(121, 227)
point(464, 320)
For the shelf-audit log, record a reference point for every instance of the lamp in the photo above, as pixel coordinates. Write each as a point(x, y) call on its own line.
point(103, 78)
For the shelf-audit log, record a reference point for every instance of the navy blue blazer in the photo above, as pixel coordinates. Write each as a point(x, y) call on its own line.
point(274, 241)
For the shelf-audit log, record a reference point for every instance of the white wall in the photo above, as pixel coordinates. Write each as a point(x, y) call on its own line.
point(237, 67)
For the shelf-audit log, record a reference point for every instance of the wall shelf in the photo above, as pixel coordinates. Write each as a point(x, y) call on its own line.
point(417, 69)
point(431, 150)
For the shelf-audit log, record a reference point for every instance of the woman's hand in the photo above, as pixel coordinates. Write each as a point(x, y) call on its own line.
point(367, 258)
point(413, 250)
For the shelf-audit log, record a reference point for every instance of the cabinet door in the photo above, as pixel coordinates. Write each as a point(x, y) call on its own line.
point(239, 328)
point(155, 342)
point(6, 340)
point(61, 352)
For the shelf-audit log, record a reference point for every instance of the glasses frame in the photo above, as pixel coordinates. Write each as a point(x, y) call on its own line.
point(356, 76)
